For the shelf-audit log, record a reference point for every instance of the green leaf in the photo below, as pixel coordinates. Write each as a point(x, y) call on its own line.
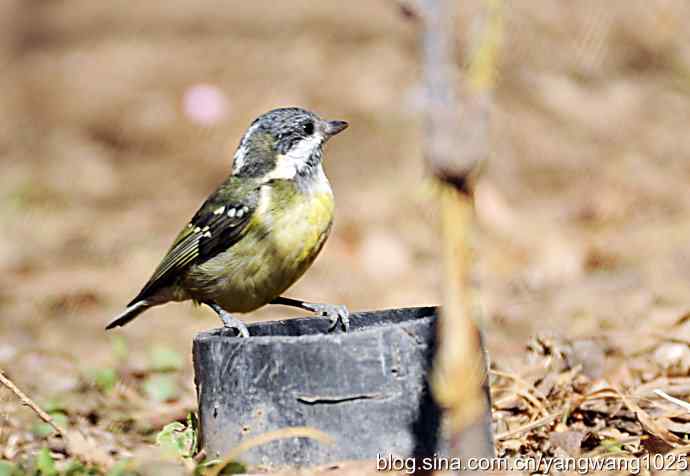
point(161, 388)
point(164, 359)
point(193, 423)
point(611, 445)
point(105, 379)
point(7, 469)
point(45, 464)
point(233, 467)
point(75, 468)
point(54, 405)
point(177, 439)
point(122, 468)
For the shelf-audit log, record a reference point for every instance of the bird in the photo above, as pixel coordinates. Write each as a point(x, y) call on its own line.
point(259, 231)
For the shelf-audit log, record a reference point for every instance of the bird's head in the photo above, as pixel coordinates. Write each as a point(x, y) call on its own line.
point(283, 143)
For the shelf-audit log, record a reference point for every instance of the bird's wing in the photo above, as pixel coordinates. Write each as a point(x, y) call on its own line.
point(220, 222)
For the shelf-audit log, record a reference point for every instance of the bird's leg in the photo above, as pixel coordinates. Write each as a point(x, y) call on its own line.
point(336, 313)
point(228, 320)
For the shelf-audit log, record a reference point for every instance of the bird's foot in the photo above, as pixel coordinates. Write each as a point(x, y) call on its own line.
point(336, 313)
point(230, 322)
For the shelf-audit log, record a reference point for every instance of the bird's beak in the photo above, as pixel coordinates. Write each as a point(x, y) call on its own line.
point(334, 127)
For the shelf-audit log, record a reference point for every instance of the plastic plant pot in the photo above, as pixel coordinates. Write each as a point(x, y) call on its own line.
point(366, 388)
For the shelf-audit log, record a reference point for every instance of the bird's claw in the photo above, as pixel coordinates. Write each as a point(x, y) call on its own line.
point(241, 329)
point(230, 322)
point(336, 314)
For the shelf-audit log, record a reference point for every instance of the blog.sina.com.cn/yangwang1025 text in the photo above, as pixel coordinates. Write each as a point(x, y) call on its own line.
point(536, 464)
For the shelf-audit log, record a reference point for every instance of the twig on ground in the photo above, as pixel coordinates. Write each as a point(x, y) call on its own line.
point(24, 398)
point(649, 423)
point(76, 443)
point(530, 426)
point(681, 403)
point(527, 391)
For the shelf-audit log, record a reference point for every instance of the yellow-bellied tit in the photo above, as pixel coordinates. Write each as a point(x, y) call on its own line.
point(259, 231)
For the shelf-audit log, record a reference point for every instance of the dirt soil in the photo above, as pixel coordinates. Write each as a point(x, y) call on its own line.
point(584, 205)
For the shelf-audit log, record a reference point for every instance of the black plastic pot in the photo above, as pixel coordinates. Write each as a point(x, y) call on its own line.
point(366, 388)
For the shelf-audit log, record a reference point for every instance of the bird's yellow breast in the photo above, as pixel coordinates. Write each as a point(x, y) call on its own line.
point(301, 230)
point(284, 237)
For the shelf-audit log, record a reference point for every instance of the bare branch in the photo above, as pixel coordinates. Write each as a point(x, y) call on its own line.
point(31, 404)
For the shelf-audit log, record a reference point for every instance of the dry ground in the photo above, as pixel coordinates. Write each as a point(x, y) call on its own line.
point(584, 205)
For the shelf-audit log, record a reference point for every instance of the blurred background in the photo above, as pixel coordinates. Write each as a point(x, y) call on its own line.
point(117, 119)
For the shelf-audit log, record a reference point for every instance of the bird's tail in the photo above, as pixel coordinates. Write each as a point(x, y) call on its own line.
point(129, 314)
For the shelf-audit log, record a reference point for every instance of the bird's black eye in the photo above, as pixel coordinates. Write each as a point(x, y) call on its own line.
point(308, 128)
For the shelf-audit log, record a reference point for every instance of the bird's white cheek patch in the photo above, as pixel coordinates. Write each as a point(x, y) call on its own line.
point(297, 158)
point(284, 169)
point(301, 153)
